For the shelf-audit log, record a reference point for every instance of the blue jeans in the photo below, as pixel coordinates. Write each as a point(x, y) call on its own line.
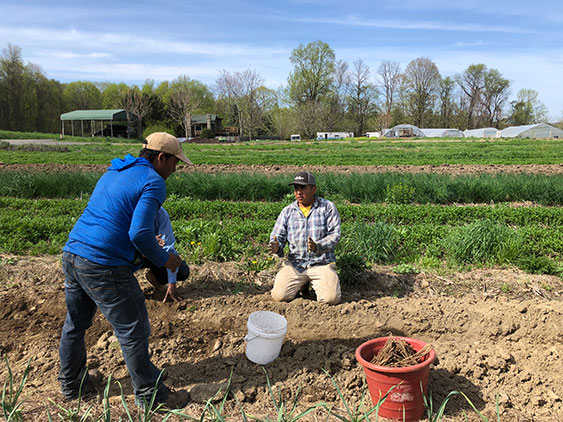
point(116, 292)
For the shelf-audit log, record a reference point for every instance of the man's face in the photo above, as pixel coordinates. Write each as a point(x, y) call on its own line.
point(305, 195)
point(165, 166)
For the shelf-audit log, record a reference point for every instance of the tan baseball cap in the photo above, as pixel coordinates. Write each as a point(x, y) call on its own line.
point(164, 142)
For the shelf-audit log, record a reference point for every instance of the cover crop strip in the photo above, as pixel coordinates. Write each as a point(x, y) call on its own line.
point(389, 187)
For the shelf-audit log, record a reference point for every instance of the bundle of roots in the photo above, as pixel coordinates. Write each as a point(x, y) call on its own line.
point(397, 353)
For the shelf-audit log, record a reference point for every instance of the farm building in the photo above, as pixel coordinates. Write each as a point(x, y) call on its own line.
point(206, 121)
point(112, 122)
point(334, 135)
point(540, 130)
point(404, 131)
point(484, 132)
point(442, 133)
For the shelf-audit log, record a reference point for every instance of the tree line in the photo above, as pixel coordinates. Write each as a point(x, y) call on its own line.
point(321, 94)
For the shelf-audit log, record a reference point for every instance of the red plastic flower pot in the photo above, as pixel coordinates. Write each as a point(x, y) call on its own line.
point(405, 401)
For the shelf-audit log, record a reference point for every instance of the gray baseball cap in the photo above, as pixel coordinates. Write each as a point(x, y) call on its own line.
point(304, 178)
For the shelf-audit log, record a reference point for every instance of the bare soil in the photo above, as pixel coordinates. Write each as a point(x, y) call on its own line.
point(453, 169)
point(498, 335)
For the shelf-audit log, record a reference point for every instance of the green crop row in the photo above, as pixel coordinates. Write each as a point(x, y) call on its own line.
point(380, 234)
point(401, 215)
point(381, 152)
point(394, 188)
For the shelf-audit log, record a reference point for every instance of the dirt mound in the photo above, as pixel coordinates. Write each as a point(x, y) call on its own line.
point(491, 342)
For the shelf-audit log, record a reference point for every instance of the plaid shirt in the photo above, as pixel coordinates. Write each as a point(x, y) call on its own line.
point(322, 225)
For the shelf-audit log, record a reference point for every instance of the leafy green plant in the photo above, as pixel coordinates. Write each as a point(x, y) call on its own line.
point(350, 266)
point(399, 194)
point(439, 414)
point(539, 265)
point(11, 403)
point(255, 265)
point(405, 269)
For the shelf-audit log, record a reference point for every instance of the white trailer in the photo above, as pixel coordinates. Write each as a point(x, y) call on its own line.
point(334, 135)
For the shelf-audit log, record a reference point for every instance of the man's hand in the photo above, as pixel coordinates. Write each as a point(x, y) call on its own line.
point(172, 293)
point(274, 245)
point(311, 245)
point(160, 240)
point(173, 262)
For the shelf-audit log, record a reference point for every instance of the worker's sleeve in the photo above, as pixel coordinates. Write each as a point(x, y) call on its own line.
point(280, 230)
point(329, 242)
point(142, 230)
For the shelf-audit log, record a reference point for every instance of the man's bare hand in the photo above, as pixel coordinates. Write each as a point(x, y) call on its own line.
point(311, 245)
point(160, 240)
point(274, 245)
point(172, 294)
point(173, 262)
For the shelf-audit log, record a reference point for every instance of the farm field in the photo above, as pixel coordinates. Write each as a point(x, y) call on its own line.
point(493, 312)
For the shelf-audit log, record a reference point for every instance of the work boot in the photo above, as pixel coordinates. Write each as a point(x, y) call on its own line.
point(177, 400)
point(151, 278)
point(90, 387)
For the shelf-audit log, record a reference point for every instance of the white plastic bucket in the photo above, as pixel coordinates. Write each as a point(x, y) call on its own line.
point(265, 336)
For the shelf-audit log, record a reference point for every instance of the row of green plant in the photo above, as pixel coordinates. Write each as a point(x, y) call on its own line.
point(389, 152)
point(393, 188)
point(533, 247)
point(10, 134)
point(285, 408)
point(188, 209)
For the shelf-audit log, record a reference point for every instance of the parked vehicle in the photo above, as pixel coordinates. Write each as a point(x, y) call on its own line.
point(295, 138)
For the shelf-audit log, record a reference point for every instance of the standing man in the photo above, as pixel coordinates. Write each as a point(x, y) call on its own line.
point(311, 226)
point(103, 251)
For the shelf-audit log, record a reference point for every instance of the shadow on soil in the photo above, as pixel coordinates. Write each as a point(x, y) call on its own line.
point(301, 365)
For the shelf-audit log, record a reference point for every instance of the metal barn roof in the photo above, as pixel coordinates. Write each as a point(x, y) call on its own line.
point(118, 114)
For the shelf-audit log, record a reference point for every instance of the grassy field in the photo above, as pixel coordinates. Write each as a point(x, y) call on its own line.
point(380, 152)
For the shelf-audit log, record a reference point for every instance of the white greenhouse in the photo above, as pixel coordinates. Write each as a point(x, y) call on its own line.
point(442, 133)
point(484, 132)
point(540, 130)
point(404, 131)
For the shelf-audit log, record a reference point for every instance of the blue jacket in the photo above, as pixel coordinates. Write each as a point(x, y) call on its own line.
point(120, 216)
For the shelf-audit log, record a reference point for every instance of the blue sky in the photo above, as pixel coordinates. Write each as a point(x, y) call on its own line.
point(131, 41)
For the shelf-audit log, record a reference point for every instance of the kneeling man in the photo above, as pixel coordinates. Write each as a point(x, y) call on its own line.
point(311, 227)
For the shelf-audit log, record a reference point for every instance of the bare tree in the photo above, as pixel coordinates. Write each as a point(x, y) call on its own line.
point(472, 83)
point(423, 78)
point(138, 104)
point(242, 90)
point(390, 77)
point(496, 91)
point(361, 94)
point(187, 95)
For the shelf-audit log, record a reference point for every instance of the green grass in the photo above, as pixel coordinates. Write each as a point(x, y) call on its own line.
point(365, 188)
point(7, 134)
point(383, 152)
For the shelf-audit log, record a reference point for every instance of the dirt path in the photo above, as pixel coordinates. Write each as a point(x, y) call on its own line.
point(453, 169)
point(491, 340)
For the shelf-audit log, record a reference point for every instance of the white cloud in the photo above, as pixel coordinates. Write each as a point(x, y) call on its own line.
point(353, 20)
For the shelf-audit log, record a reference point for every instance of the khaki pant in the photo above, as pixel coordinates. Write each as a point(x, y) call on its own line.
point(323, 279)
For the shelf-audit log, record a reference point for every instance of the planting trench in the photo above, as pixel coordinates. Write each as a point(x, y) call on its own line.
point(490, 342)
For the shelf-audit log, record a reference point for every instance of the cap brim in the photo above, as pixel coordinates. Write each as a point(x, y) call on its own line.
point(183, 158)
point(299, 183)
